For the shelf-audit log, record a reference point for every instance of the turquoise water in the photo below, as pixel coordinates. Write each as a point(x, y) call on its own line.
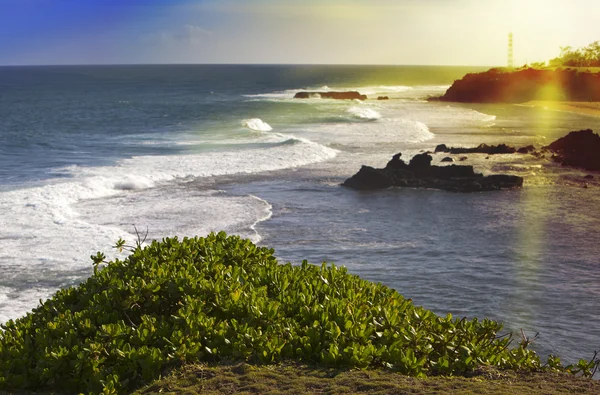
point(86, 153)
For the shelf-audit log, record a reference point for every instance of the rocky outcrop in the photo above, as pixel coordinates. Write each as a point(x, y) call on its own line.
point(530, 149)
point(518, 86)
point(482, 149)
point(350, 95)
point(419, 173)
point(578, 149)
point(383, 98)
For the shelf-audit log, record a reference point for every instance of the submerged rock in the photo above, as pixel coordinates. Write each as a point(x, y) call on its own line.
point(350, 95)
point(578, 149)
point(383, 98)
point(447, 159)
point(419, 173)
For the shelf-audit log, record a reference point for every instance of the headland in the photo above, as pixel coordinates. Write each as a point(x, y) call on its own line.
point(499, 85)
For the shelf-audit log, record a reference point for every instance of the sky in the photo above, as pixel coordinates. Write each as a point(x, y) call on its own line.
point(402, 32)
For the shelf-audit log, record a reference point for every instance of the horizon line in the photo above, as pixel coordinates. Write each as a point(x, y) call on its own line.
point(239, 64)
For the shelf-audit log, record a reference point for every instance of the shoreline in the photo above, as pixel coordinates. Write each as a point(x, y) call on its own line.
point(578, 107)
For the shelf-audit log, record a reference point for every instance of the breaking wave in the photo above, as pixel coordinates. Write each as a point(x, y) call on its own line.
point(256, 124)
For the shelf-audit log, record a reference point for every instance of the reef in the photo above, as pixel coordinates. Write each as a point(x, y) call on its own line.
point(485, 149)
point(419, 173)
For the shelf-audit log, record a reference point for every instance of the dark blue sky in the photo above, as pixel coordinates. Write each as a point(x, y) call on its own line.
point(469, 32)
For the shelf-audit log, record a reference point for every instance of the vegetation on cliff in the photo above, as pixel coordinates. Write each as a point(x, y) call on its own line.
point(223, 298)
point(578, 57)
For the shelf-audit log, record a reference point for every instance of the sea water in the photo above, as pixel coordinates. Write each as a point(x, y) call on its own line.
point(91, 154)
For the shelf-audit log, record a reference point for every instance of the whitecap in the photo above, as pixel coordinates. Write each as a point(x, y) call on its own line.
point(364, 113)
point(256, 124)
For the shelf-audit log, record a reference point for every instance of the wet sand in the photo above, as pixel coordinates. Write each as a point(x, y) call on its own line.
point(579, 107)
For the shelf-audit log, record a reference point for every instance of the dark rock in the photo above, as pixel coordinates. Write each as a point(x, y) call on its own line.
point(463, 158)
point(420, 161)
point(350, 95)
point(383, 98)
point(442, 148)
point(589, 177)
point(526, 150)
point(369, 178)
point(447, 159)
point(577, 149)
point(485, 149)
point(396, 162)
point(419, 173)
point(480, 149)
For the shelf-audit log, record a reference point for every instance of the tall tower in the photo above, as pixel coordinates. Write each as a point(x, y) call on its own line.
point(511, 60)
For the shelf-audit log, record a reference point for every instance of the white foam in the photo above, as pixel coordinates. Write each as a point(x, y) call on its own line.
point(41, 254)
point(256, 124)
point(393, 91)
point(179, 210)
point(62, 223)
point(364, 113)
point(286, 94)
point(432, 87)
point(147, 171)
point(268, 214)
point(296, 152)
point(19, 301)
point(438, 115)
point(363, 135)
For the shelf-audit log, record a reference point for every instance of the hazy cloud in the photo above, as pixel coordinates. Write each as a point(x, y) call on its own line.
point(310, 9)
point(187, 34)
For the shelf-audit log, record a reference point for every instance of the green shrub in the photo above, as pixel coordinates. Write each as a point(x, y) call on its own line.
point(222, 297)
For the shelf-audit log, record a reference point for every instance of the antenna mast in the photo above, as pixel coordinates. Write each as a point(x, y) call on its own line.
point(511, 60)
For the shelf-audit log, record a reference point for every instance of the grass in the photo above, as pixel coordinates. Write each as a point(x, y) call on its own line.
point(291, 378)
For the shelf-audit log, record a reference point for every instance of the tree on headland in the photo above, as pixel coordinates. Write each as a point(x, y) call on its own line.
point(581, 57)
point(538, 65)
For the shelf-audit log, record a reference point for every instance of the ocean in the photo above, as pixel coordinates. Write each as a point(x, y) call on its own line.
point(89, 154)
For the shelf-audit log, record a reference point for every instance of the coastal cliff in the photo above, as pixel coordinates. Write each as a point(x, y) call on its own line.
point(518, 86)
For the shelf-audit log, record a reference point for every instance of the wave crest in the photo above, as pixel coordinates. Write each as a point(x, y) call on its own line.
point(256, 124)
point(364, 113)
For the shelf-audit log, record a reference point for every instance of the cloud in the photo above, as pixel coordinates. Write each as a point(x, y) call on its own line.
point(187, 34)
point(309, 9)
point(191, 34)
